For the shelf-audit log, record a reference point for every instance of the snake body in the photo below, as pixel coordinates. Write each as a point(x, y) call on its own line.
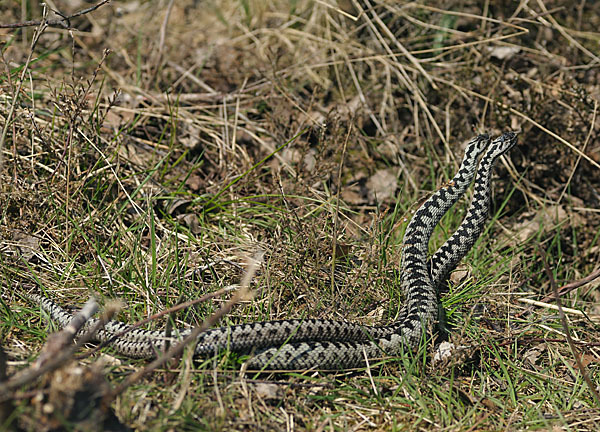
point(333, 344)
point(421, 304)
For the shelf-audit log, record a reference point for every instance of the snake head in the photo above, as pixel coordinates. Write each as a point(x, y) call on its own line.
point(502, 144)
point(511, 137)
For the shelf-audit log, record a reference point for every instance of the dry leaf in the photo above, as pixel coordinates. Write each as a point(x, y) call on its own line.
point(503, 52)
point(458, 276)
point(586, 359)
point(545, 219)
point(532, 354)
point(268, 391)
point(28, 245)
point(382, 185)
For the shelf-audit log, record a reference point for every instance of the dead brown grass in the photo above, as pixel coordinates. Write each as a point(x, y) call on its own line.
point(144, 174)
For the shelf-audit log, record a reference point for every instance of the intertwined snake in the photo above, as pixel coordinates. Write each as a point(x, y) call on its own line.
point(329, 344)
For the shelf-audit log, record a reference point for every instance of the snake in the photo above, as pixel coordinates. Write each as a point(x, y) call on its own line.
point(330, 344)
point(271, 333)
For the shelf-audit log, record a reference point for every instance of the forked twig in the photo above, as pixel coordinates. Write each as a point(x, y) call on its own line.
point(162, 313)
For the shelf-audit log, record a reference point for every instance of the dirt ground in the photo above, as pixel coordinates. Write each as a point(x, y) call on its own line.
point(151, 151)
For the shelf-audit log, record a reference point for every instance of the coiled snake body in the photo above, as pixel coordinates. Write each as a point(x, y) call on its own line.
point(329, 344)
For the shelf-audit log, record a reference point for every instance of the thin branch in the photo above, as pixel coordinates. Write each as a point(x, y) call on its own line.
point(565, 326)
point(60, 358)
point(156, 316)
point(242, 294)
point(64, 22)
point(15, 98)
point(573, 285)
point(507, 341)
point(161, 42)
point(57, 342)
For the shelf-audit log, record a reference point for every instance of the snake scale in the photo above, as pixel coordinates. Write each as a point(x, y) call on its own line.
point(329, 344)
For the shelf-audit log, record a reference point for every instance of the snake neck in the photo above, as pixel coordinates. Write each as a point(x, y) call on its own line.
point(456, 247)
point(414, 265)
point(420, 307)
point(431, 212)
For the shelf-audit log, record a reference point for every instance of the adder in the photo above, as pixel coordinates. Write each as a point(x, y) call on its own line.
point(329, 344)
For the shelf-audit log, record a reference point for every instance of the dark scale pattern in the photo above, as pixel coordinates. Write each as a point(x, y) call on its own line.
point(457, 246)
point(331, 344)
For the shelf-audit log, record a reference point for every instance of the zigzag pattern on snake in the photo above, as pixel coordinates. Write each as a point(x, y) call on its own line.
point(331, 344)
point(275, 333)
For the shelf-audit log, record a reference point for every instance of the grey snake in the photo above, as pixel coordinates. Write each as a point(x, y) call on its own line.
point(301, 344)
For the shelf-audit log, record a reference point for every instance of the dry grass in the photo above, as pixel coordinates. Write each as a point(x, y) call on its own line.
point(308, 130)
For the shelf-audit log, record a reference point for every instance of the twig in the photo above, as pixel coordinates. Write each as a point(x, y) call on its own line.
point(156, 316)
point(573, 285)
point(161, 41)
point(336, 218)
point(507, 341)
point(57, 342)
point(585, 143)
point(555, 307)
point(561, 292)
point(62, 22)
point(565, 326)
point(36, 38)
point(242, 294)
point(58, 360)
